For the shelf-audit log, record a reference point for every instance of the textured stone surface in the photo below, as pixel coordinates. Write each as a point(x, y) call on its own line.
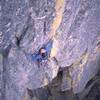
point(26, 25)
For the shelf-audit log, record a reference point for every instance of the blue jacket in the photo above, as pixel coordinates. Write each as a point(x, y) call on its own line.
point(38, 57)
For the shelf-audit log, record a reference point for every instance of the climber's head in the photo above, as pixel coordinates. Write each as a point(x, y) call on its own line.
point(43, 52)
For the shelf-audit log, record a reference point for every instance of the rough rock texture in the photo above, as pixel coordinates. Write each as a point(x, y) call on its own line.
point(74, 27)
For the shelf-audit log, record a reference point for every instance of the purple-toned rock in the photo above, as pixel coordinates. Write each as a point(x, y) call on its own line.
point(27, 26)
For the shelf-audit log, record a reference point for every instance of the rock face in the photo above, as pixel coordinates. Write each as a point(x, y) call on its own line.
point(28, 25)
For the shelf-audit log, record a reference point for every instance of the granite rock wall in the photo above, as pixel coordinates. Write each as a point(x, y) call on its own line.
point(28, 25)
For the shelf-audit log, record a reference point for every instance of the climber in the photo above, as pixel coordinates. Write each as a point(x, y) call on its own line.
point(43, 53)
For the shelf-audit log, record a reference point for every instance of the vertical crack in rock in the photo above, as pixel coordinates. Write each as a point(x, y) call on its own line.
point(20, 36)
point(44, 30)
point(59, 9)
point(4, 72)
point(18, 39)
